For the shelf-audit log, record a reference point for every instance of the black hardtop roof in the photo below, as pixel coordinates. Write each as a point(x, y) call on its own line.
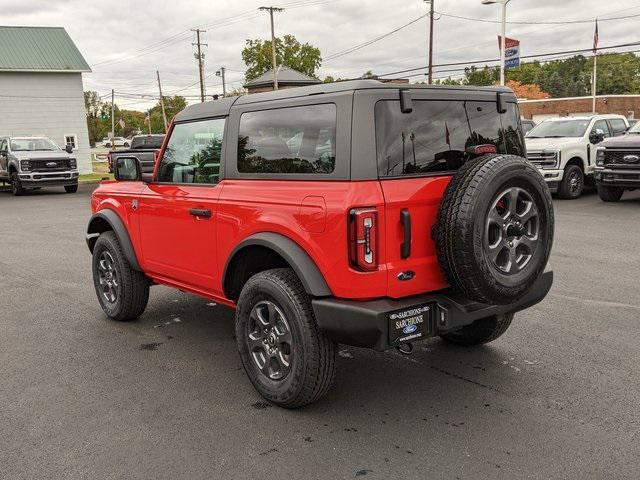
point(221, 107)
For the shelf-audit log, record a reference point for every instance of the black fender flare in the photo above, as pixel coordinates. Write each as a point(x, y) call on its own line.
point(302, 264)
point(94, 229)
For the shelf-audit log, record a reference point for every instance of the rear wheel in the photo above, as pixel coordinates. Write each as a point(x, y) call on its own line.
point(610, 194)
point(288, 359)
point(495, 228)
point(481, 331)
point(123, 292)
point(572, 184)
point(16, 185)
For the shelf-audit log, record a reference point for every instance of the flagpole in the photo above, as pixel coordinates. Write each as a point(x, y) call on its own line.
point(149, 122)
point(595, 80)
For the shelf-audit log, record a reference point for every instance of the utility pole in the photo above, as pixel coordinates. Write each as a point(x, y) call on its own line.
point(200, 57)
point(164, 115)
point(220, 73)
point(273, 44)
point(113, 120)
point(431, 11)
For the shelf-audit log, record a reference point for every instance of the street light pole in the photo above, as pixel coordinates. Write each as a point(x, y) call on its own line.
point(503, 39)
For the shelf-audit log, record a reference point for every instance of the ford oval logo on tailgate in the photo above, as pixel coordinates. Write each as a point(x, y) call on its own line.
point(631, 158)
point(409, 329)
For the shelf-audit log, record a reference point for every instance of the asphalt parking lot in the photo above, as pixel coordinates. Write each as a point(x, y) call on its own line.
point(165, 397)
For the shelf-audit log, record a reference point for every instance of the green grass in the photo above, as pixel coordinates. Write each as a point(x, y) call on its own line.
point(94, 177)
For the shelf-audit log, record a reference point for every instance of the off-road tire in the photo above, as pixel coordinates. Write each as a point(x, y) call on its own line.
point(565, 189)
point(460, 228)
point(481, 331)
point(16, 185)
point(313, 363)
point(133, 294)
point(610, 194)
point(71, 188)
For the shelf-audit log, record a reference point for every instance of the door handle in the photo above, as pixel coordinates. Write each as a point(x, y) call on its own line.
point(200, 212)
point(405, 248)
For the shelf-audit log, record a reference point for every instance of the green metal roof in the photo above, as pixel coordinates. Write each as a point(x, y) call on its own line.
point(36, 49)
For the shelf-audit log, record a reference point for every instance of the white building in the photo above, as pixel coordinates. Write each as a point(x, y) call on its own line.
point(41, 89)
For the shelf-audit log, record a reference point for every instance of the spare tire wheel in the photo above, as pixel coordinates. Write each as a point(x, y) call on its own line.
point(495, 228)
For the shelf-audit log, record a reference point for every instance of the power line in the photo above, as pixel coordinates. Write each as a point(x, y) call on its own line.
point(452, 64)
point(346, 51)
point(566, 22)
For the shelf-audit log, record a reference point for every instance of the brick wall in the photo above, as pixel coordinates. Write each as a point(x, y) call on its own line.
point(622, 104)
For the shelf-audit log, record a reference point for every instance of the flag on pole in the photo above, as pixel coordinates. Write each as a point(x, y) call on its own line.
point(596, 39)
point(121, 123)
point(511, 53)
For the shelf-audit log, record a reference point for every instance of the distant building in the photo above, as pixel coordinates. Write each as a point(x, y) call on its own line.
point(287, 78)
point(539, 110)
point(41, 90)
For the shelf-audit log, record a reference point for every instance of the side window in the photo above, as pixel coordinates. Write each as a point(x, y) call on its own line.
point(3, 146)
point(193, 153)
point(618, 126)
point(602, 125)
point(70, 140)
point(291, 140)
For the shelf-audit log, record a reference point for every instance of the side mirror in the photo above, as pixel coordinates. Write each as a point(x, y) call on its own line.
point(68, 148)
point(596, 136)
point(127, 169)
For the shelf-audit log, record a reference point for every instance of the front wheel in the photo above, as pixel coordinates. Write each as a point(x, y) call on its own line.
point(610, 194)
point(122, 291)
point(481, 331)
point(71, 188)
point(16, 185)
point(572, 184)
point(289, 361)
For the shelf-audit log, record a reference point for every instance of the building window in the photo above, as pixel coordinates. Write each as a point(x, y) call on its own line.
point(70, 140)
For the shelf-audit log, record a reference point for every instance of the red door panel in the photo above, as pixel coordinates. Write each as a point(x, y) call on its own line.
point(175, 243)
point(421, 197)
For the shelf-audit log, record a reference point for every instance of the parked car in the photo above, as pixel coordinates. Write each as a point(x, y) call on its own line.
point(632, 122)
point(618, 165)
point(143, 147)
point(35, 162)
point(356, 212)
point(118, 142)
point(564, 149)
point(527, 125)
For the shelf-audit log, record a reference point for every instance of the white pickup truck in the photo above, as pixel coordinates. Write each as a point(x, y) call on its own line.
point(564, 149)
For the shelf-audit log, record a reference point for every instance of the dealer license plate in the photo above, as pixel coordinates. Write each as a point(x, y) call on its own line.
point(409, 325)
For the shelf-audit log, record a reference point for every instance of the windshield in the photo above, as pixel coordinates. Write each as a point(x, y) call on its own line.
point(559, 129)
point(33, 145)
point(635, 128)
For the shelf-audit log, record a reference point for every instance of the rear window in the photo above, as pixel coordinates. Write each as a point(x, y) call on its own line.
point(151, 141)
point(294, 140)
point(436, 135)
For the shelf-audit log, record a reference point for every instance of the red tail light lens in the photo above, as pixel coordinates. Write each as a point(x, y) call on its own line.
point(363, 239)
point(482, 149)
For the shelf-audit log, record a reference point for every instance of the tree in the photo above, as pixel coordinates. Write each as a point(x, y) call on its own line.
point(304, 58)
point(481, 76)
point(529, 91)
point(172, 106)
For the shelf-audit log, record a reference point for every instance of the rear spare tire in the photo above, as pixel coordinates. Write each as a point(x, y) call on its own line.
point(495, 228)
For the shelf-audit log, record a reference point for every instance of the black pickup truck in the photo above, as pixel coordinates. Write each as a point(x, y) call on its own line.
point(618, 165)
point(143, 147)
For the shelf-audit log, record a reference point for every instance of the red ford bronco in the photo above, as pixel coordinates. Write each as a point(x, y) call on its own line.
point(357, 213)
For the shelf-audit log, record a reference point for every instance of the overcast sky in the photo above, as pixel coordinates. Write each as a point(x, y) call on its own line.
point(125, 44)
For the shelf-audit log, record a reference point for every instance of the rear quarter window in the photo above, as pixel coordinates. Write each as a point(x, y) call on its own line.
point(435, 136)
point(291, 140)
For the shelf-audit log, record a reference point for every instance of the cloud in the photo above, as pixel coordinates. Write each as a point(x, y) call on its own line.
point(104, 33)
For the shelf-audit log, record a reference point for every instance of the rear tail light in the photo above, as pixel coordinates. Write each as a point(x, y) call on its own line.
point(482, 149)
point(363, 239)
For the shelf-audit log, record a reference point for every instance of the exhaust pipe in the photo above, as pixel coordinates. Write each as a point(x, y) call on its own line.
point(405, 348)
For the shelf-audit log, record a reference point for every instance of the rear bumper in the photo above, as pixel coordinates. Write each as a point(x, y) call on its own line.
point(366, 324)
point(618, 177)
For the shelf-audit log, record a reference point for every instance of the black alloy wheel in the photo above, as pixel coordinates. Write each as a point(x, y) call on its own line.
point(269, 340)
